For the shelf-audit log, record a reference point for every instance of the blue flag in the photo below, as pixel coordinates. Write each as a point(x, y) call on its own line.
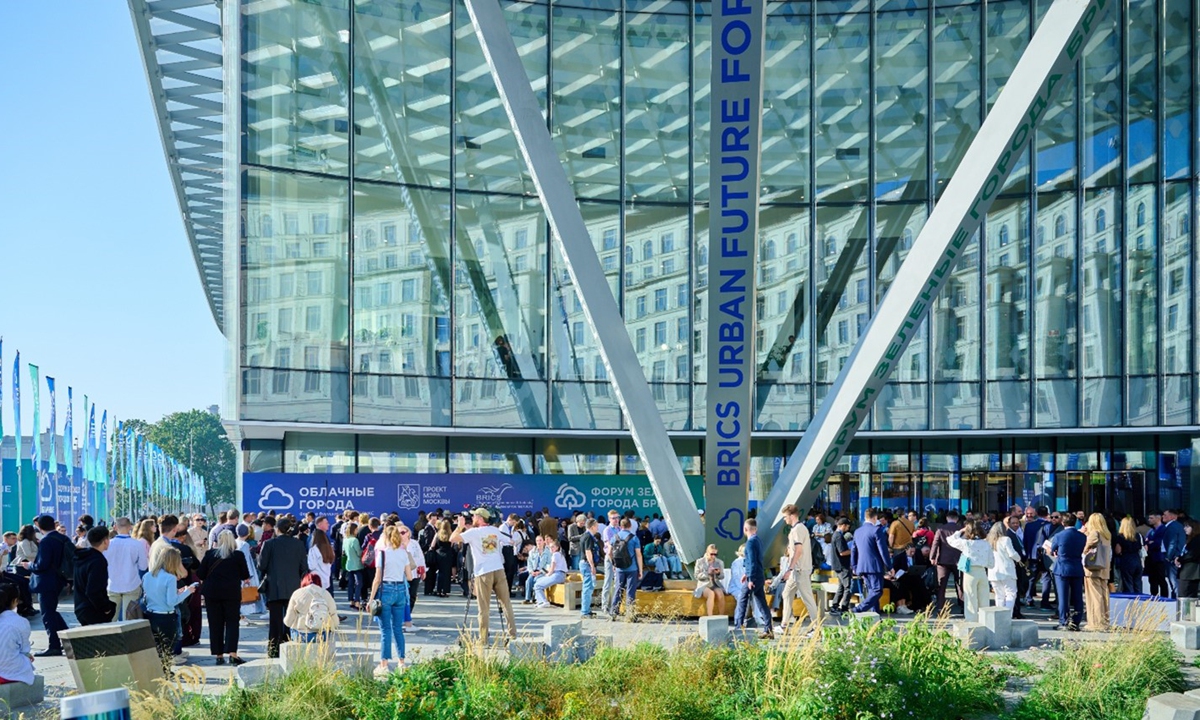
point(16, 393)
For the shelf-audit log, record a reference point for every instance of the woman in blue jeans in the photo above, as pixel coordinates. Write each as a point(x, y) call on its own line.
point(393, 570)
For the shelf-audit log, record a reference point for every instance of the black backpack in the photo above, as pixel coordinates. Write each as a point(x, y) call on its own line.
point(622, 557)
point(66, 567)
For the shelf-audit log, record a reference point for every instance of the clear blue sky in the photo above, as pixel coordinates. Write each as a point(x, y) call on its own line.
point(97, 282)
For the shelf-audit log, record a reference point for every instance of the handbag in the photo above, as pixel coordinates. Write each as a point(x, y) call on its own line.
point(249, 594)
point(375, 607)
point(964, 563)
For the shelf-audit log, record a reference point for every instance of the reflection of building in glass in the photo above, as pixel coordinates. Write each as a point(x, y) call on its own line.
point(397, 304)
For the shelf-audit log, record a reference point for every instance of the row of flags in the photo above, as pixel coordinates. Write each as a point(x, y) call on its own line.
point(111, 457)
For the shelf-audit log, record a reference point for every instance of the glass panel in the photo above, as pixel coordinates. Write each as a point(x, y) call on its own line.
point(1178, 92)
point(657, 105)
point(956, 101)
point(294, 78)
point(1055, 140)
point(1141, 304)
point(503, 456)
point(582, 398)
point(1142, 158)
point(587, 83)
point(390, 454)
point(1007, 305)
point(262, 455)
point(784, 317)
point(1175, 288)
point(402, 92)
point(577, 457)
point(701, 74)
point(318, 453)
point(842, 312)
point(956, 406)
point(1008, 31)
point(688, 452)
point(486, 154)
point(500, 305)
point(901, 105)
point(787, 109)
point(842, 119)
point(902, 405)
point(657, 303)
point(1102, 106)
point(1055, 311)
point(1101, 299)
point(401, 305)
point(296, 298)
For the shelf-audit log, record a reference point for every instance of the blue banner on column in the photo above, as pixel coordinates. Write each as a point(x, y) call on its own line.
point(329, 493)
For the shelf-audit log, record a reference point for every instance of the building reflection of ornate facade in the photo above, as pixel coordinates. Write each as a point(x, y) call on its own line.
point(399, 304)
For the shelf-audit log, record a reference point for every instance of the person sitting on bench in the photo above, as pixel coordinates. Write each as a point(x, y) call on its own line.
point(556, 574)
point(16, 655)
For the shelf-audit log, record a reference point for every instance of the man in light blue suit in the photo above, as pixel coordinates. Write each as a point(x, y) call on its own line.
point(871, 558)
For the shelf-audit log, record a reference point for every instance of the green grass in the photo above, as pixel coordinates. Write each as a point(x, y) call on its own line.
point(919, 670)
point(1104, 680)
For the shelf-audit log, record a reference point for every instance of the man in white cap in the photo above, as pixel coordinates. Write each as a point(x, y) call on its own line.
point(487, 557)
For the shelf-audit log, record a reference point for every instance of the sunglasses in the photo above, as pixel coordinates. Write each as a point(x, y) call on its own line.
point(1056, 517)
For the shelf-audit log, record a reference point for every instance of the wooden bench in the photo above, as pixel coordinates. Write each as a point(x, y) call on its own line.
point(675, 600)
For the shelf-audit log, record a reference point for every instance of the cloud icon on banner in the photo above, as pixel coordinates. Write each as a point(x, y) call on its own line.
point(737, 517)
point(569, 497)
point(274, 498)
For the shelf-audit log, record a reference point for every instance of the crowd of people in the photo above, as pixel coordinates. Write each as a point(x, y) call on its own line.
point(286, 570)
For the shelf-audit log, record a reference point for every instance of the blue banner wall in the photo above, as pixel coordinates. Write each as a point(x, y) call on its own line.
point(329, 493)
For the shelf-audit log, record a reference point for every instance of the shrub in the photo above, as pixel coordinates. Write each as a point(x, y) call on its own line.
point(1109, 679)
point(865, 672)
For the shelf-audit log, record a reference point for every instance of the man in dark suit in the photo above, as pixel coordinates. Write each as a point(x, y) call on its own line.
point(945, 559)
point(1045, 533)
point(753, 582)
point(1174, 539)
point(49, 580)
point(871, 558)
point(1066, 548)
point(282, 563)
point(1035, 520)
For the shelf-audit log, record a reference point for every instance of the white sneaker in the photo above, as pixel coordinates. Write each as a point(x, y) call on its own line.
point(903, 610)
point(411, 628)
point(180, 659)
point(544, 605)
point(381, 672)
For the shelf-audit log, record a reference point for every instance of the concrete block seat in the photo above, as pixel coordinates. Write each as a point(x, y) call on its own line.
point(15, 696)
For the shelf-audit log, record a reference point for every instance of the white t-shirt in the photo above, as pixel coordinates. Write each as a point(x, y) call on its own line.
point(319, 566)
point(558, 563)
point(393, 566)
point(485, 545)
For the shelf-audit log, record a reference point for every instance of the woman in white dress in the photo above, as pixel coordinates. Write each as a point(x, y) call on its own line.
point(243, 545)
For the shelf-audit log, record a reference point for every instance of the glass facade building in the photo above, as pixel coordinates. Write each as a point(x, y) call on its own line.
point(400, 306)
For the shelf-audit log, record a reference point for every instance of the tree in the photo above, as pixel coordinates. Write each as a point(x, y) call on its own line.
point(196, 439)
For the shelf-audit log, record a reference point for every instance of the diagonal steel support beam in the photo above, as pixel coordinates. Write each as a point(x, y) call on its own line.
point(599, 306)
point(1004, 135)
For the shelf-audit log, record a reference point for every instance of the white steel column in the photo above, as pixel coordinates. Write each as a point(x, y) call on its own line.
point(997, 147)
point(599, 307)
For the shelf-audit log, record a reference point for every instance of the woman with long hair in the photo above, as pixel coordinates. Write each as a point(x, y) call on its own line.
point(159, 585)
point(352, 552)
point(445, 556)
point(246, 547)
point(27, 545)
point(393, 570)
point(145, 533)
point(1127, 547)
point(223, 571)
point(1097, 569)
point(1003, 572)
point(976, 561)
point(320, 558)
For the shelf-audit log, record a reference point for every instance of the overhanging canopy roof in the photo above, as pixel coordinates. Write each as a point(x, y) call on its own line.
point(181, 49)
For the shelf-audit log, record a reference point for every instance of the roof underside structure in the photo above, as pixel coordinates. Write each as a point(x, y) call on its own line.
point(181, 49)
